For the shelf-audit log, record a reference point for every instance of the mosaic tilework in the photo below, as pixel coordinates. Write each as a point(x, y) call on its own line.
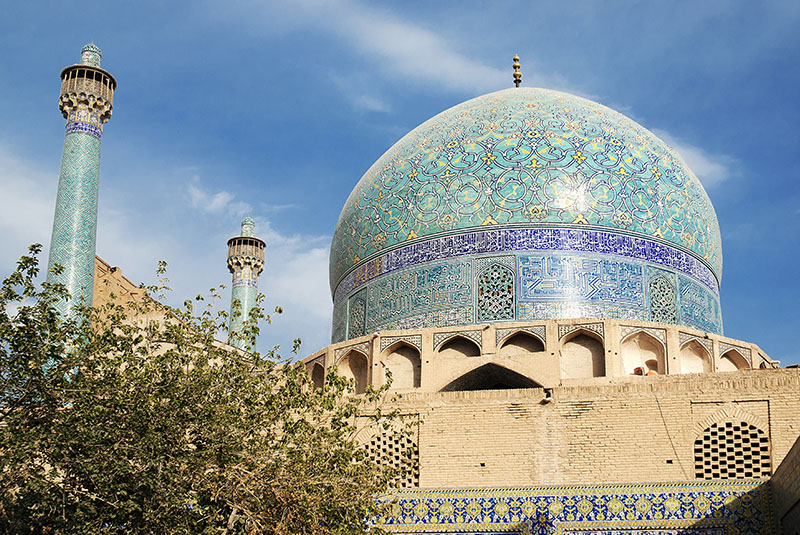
point(356, 319)
point(692, 507)
point(440, 338)
point(564, 330)
point(705, 342)
point(658, 334)
point(527, 239)
point(581, 279)
point(537, 330)
point(745, 352)
point(495, 293)
point(73, 240)
point(525, 156)
point(422, 290)
point(72, 244)
point(698, 307)
point(363, 347)
point(537, 286)
point(413, 339)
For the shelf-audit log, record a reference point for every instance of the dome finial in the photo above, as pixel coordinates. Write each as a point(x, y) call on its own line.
point(517, 74)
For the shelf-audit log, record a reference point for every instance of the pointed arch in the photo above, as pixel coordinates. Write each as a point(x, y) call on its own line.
point(582, 355)
point(642, 350)
point(459, 346)
point(404, 362)
point(694, 357)
point(318, 375)
point(521, 342)
point(490, 377)
point(355, 365)
point(731, 361)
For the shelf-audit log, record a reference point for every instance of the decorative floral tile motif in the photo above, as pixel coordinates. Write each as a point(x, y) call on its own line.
point(525, 156)
point(696, 508)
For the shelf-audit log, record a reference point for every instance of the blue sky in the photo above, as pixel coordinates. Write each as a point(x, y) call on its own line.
point(275, 110)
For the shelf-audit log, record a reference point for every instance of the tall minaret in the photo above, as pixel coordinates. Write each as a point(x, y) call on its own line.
point(246, 262)
point(87, 94)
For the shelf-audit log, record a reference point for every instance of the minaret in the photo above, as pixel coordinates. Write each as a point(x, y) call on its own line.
point(87, 94)
point(246, 262)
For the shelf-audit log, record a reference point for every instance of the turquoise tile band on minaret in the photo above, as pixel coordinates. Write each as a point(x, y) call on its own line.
point(245, 262)
point(87, 94)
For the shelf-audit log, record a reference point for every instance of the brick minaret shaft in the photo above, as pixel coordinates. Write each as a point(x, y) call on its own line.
point(87, 94)
point(245, 262)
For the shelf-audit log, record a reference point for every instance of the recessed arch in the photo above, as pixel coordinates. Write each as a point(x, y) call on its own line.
point(318, 375)
point(695, 358)
point(521, 342)
point(644, 351)
point(490, 377)
point(459, 346)
point(404, 362)
point(732, 361)
point(582, 355)
point(355, 366)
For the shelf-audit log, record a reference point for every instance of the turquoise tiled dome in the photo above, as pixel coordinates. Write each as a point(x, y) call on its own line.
point(525, 159)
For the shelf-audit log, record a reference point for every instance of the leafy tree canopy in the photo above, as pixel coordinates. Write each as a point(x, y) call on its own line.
point(134, 418)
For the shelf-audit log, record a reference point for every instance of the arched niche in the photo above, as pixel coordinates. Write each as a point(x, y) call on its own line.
point(582, 356)
point(404, 362)
point(694, 358)
point(641, 350)
point(355, 366)
point(732, 361)
point(521, 342)
point(317, 375)
point(764, 365)
point(490, 377)
point(459, 346)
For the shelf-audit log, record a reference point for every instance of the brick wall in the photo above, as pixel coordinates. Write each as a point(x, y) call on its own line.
point(786, 491)
point(618, 433)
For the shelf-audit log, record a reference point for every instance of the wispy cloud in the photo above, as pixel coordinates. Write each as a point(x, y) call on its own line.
point(28, 191)
point(711, 169)
point(215, 203)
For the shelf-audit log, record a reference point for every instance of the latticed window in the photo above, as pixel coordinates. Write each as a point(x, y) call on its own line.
point(496, 294)
point(356, 318)
point(732, 450)
point(397, 450)
point(662, 300)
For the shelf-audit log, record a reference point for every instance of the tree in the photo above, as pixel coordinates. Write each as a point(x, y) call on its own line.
point(133, 418)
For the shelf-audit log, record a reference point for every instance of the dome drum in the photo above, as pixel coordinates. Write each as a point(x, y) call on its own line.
point(526, 283)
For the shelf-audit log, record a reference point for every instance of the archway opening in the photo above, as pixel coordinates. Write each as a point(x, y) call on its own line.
point(354, 366)
point(458, 346)
point(695, 358)
point(521, 343)
point(318, 375)
point(490, 377)
point(404, 363)
point(732, 361)
point(582, 357)
point(642, 354)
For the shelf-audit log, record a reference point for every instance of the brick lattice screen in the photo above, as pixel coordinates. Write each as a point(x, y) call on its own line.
point(732, 450)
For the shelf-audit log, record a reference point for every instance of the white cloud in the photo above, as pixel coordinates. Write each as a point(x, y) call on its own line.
point(295, 277)
point(215, 203)
point(711, 169)
point(28, 192)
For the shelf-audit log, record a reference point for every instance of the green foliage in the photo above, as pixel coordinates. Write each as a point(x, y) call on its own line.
point(134, 419)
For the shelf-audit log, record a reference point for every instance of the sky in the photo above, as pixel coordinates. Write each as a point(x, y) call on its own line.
point(276, 109)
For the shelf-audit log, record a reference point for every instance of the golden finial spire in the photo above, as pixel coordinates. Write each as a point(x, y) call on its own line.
point(517, 74)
